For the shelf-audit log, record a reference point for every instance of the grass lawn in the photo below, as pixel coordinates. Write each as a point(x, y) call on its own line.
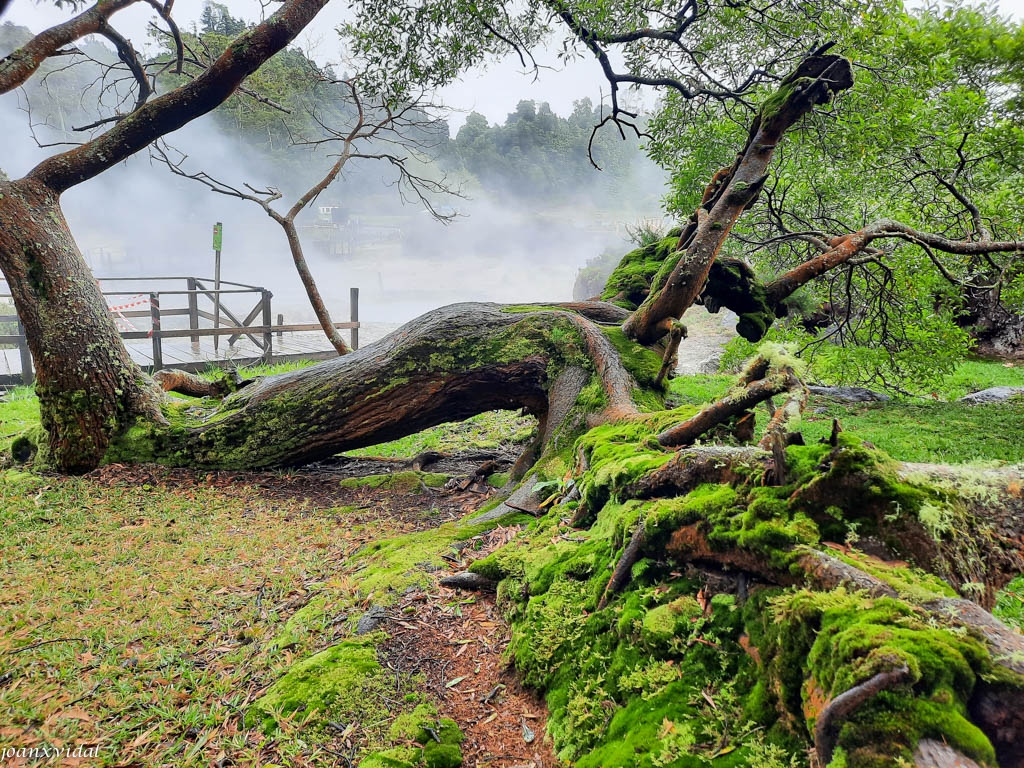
point(139, 617)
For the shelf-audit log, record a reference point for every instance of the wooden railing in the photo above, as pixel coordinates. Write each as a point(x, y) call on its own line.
point(199, 301)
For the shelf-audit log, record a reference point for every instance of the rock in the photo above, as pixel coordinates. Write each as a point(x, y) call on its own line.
point(850, 394)
point(711, 364)
point(468, 580)
point(992, 395)
point(371, 620)
point(935, 754)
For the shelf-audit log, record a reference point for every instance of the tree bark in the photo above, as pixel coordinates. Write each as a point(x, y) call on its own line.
point(88, 385)
point(316, 301)
point(447, 365)
point(814, 82)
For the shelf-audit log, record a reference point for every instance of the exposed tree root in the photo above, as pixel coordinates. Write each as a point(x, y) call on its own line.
point(736, 402)
point(617, 381)
point(186, 383)
point(623, 569)
point(670, 360)
point(996, 707)
point(787, 414)
point(830, 720)
point(761, 380)
point(468, 580)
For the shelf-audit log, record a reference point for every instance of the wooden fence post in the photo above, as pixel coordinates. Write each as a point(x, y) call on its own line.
point(154, 313)
point(193, 313)
point(268, 329)
point(280, 321)
point(353, 302)
point(27, 372)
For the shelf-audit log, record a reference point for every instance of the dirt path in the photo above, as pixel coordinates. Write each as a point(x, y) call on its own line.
point(456, 642)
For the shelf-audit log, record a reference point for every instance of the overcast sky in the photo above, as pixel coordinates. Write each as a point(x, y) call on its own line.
point(494, 92)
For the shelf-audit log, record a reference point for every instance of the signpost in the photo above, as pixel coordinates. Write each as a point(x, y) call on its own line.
point(218, 242)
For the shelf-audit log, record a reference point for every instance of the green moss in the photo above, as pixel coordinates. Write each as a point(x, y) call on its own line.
point(841, 639)
point(388, 567)
point(630, 282)
point(396, 757)
point(592, 398)
point(333, 684)
point(442, 756)
point(777, 100)
point(641, 362)
point(665, 622)
point(912, 583)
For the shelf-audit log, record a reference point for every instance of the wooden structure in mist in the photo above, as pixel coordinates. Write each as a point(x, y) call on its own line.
point(167, 328)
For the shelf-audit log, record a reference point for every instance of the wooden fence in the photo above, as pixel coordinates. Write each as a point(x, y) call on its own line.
point(198, 301)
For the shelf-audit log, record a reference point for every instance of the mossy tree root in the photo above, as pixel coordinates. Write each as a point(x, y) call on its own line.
point(826, 727)
point(762, 379)
point(671, 359)
point(623, 569)
point(997, 701)
point(975, 541)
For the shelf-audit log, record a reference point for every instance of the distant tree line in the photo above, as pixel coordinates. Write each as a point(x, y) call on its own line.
point(537, 153)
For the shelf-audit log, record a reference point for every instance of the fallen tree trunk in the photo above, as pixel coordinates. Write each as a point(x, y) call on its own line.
point(448, 365)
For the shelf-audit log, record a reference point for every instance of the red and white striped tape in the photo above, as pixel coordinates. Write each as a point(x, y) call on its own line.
point(122, 322)
point(139, 300)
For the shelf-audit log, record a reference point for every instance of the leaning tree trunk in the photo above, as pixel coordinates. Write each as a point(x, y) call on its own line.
point(680, 282)
point(87, 384)
point(89, 388)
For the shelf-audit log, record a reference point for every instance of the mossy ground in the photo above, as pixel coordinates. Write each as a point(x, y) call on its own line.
point(662, 675)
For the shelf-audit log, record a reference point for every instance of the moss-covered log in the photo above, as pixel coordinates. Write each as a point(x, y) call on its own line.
point(450, 364)
point(700, 615)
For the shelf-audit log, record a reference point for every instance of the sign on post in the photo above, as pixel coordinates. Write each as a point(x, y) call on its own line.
point(218, 242)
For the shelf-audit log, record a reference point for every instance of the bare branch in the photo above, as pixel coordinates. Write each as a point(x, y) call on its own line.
point(126, 52)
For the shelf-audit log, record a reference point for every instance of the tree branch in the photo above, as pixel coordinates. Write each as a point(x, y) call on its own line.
point(171, 111)
point(21, 64)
